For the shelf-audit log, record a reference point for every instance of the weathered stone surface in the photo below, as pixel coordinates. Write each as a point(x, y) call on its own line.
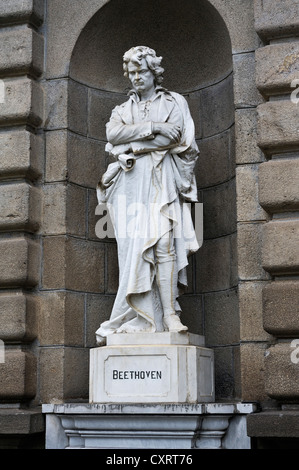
point(61, 319)
point(21, 421)
point(217, 109)
point(247, 150)
point(23, 103)
point(19, 262)
point(18, 316)
point(192, 313)
point(98, 310)
point(64, 208)
point(252, 371)
point(276, 19)
point(213, 166)
point(21, 154)
point(20, 207)
point(73, 263)
point(239, 19)
point(56, 104)
point(224, 372)
point(64, 374)
point(251, 311)
point(248, 207)
point(222, 325)
point(219, 204)
point(250, 236)
point(100, 107)
point(281, 308)
point(277, 126)
point(21, 52)
point(22, 11)
point(245, 91)
point(278, 185)
point(86, 161)
point(213, 266)
point(276, 67)
point(280, 246)
point(273, 423)
point(282, 372)
point(17, 375)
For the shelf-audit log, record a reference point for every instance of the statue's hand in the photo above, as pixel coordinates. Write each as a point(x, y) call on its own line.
point(171, 131)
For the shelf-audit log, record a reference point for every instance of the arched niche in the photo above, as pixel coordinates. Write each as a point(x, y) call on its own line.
point(195, 44)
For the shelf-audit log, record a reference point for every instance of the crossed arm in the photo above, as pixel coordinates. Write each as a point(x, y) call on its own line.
point(143, 137)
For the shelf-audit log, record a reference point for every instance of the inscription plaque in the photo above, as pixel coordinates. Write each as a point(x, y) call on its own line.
point(147, 375)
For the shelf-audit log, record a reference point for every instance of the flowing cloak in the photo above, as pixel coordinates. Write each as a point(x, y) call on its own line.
point(148, 201)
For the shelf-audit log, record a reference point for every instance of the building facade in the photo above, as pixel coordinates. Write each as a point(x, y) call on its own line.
point(237, 64)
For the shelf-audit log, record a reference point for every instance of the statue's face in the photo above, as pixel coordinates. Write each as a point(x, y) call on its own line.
point(141, 77)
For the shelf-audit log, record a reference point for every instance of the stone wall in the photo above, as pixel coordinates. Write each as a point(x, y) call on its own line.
point(278, 182)
point(58, 280)
point(21, 157)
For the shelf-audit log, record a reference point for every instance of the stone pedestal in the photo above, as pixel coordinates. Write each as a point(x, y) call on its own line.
point(152, 368)
point(141, 426)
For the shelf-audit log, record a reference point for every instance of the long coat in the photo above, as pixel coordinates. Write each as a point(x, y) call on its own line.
point(146, 191)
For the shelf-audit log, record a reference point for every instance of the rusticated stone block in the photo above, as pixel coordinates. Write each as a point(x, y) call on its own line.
point(280, 247)
point(18, 316)
point(279, 185)
point(248, 207)
point(276, 19)
point(61, 318)
point(278, 126)
point(64, 209)
point(281, 308)
point(23, 103)
point(20, 207)
point(21, 421)
point(21, 154)
point(274, 423)
point(282, 372)
point(249, 241)
point(239, 18)
point(252, 371)
point(21, 51)
point(247, 150)
point(276, 67)
point(74, 264)
point(19, 262)
point(64, 374)
point(17, 375)
point(245, 91)
point(22, 11)
point(251, 311)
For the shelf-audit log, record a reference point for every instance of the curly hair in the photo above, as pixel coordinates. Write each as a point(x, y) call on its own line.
point(136, 54)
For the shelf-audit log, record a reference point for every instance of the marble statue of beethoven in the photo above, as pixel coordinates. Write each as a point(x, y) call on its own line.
point(151, 136)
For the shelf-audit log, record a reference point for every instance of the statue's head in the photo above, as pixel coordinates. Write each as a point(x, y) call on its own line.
point(137, 55)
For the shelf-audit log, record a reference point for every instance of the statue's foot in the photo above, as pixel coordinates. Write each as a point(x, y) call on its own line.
point(137, 325)
point(173, 323)
point(101, 340)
